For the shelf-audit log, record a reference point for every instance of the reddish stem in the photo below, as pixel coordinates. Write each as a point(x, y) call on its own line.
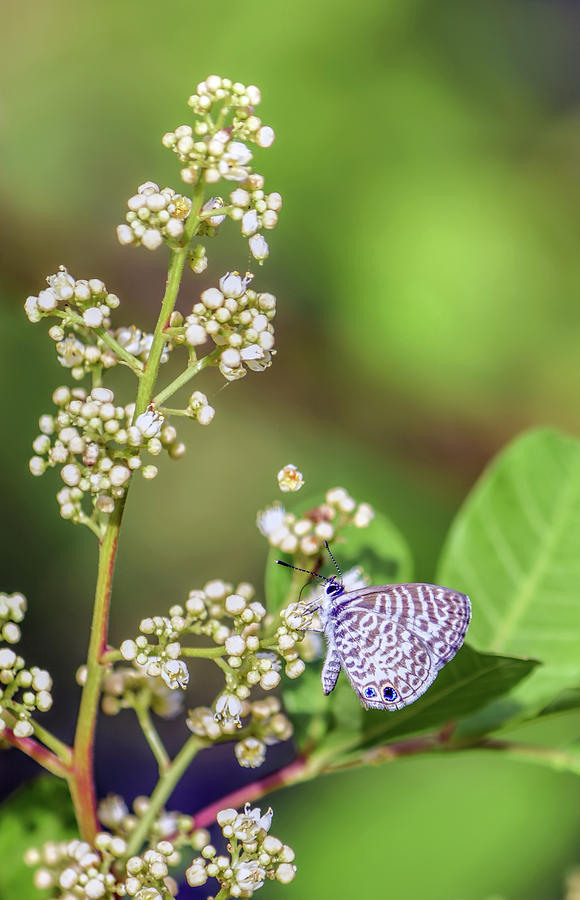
point(291, 773)
point(36, 751)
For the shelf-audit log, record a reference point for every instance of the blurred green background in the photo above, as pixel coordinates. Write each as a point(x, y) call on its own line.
point(427, 272)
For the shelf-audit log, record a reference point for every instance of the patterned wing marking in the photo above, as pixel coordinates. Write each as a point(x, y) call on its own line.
point(440, 617)
point(375, 670)
point(393, 640)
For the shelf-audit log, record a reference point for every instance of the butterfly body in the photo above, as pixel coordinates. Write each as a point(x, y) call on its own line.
point(392, 640)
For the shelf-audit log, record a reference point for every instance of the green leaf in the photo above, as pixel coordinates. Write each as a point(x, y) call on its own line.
point(379, 548)
point(465, 684)
point(38, 812)
point(514, 549)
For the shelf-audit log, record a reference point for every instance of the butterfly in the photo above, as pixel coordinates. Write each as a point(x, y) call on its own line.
point(392, 641)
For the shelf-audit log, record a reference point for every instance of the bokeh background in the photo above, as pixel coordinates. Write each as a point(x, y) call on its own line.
point(427, 271)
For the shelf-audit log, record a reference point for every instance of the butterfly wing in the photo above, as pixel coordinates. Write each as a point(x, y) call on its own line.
point(393, 640)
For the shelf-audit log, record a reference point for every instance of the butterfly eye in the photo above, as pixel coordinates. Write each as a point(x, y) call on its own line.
point(369, 693)
point(389, 693)
point(334, 588)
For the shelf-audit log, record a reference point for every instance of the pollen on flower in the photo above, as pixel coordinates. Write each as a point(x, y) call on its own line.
point(290, 478)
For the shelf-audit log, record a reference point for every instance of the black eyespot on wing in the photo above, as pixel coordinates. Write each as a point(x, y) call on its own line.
point(389, 693)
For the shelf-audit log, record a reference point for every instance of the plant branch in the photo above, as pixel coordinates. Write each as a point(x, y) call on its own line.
point(192, 370)
point(151, 734)
point(294, 773)
point(45, 758)
point(163, 791)
point(81, 781)
point(177, 262)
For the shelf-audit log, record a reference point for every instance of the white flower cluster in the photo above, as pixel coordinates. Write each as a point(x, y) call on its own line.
point(138, 342)
point(90, 299)
point(211, 145)
point(75, 869)
point(22, 690)
point(97, 448)
point(306, 534)
point(217, 148)
point(237, 319)
point(267, 725)
point(253, 855)
point(255, 210)
point(154, 216)
point(124, 687)
point(114, 814)
point(234, 621)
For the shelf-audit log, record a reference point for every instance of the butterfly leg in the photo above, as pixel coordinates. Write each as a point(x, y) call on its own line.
point(330, 669)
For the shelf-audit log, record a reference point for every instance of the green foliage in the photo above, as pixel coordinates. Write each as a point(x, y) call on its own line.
point(39, 812)
point(514, 549)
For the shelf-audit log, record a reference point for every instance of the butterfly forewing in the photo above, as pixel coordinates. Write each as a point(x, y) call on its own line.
point(396, 638)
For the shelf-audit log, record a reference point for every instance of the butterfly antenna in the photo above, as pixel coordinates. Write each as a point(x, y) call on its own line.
point(308, 572)
point(330, 553)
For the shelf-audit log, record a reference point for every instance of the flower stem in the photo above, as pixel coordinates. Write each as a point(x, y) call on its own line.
point(295, 772)
point(151, 734)
point(177, 262)
point(81, 779)
point(163, 791)
point(189, 373)
point(45, 758)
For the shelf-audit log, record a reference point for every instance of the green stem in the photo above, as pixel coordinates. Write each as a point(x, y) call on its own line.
point(151, 734)
point(81, 779)
point(163, 791)
point(203, 652)
point(177, 262)
point(189, 373)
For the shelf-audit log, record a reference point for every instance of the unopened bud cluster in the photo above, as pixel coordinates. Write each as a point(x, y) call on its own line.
point(238, 321)
point(97, 448)
point(307, 533)
point(77, 869)
point(23, 691)
point(154, 216)
point(262, 724)
point(235, 622)
point(114, 814)
point(253, 855)
point(126, 688)
point(216, 147)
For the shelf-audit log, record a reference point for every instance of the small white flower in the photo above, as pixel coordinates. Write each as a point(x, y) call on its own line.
point(151, 238)
point(228, 707)
point(70, 352)
point(195, 335)
point(259, 247)
point(250, 753)
point(125, 235)
point(31, 309)
point(250, 875)
point(248, 824)
point(63, 284)
point(250, 223)
point(174, 672)
point(233, 285)
point(149, 423)
point(214, 203)
point(93, 317)
point(290, 478)
point(271, 519)
point(265, 136)
point(47, 300)
point(112, 810)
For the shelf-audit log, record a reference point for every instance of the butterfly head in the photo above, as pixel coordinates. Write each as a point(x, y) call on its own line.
point(333, 588)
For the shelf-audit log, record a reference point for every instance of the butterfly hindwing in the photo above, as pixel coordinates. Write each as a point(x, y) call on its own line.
point(393, 640)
